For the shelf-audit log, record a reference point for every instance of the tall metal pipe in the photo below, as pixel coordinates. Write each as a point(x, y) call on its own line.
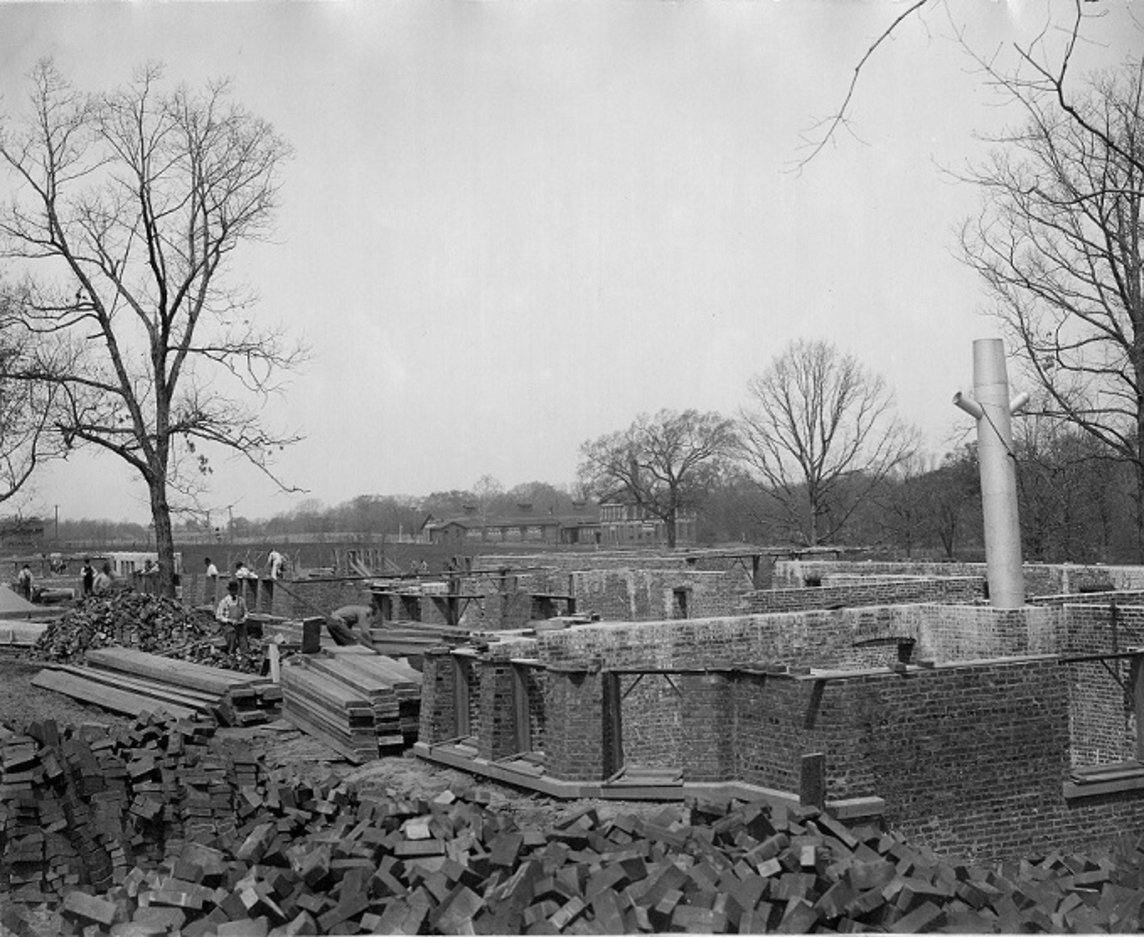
point(992, 408)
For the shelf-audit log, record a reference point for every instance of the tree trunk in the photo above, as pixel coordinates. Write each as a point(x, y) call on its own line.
point(164, 538)
point(670, 524)
point(1138, 501)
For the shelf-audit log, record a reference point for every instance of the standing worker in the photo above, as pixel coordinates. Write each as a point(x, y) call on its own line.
point(277, 564)
point(231, 614)
point(87, 571)
point(103, 581)
point(24, 581)
point(351, 624)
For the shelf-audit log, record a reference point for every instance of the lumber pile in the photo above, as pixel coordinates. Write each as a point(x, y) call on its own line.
point(131, 681)
point(361, 704)
point(414, 638)
point(166, 828)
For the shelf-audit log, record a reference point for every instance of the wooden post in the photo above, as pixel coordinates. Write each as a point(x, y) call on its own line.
point(522, 710)
point(275, 663)
point(312, 635)
point(1137, 677)
point(613, 730)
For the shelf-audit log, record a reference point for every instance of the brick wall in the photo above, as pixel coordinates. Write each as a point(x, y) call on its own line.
point(438, 708)
point(650, 594)
point(842, 592)
point(1040, 578)
point(577, 737)
point(970, 755)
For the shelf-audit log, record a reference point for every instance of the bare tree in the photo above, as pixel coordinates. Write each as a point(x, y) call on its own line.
point(662, 464)
point(26, 408)
point(820, 436)
point(128, 208)
point(1059, 247)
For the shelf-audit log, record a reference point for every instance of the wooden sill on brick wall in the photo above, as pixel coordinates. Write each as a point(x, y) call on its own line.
point(1101, 780)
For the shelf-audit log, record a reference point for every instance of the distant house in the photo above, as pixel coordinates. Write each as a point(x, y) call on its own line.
point(624, 524)
point(522, 526)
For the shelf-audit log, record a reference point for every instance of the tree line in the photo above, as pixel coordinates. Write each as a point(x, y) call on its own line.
point(122, 327)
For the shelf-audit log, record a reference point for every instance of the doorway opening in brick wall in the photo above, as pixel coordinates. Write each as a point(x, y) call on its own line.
point(644, 760)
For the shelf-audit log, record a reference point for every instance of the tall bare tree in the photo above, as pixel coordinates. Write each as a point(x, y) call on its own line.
point(26, 407)
point(1059, 246)
point(820, 435)
point(128, 208)
point(662, 464)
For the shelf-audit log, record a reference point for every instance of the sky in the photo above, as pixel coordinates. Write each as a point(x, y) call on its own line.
point(511, 227)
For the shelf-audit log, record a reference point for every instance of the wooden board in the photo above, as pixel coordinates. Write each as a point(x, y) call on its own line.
point(106, 697)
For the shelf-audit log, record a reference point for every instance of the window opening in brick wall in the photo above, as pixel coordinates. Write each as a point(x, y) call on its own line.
point(411, 608)
point(679, 602)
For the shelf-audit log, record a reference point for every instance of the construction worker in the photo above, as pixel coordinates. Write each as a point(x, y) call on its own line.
point(351, 624)
point(231, 614)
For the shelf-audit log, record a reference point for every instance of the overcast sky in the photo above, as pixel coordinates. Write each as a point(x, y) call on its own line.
point(512, 227)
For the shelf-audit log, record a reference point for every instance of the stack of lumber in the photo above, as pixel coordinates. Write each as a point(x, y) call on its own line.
point(134, 682)
point(359, 703)
point(412, 638)
point(393, 687)
point(163, 828)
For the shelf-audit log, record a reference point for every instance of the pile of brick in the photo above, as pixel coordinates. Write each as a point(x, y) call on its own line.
point(146, 622)
point(163, 828)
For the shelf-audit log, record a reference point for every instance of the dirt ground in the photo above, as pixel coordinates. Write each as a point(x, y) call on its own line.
point(282, 745)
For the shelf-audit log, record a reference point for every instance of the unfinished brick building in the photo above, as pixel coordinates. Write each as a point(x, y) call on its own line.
point(881, 690)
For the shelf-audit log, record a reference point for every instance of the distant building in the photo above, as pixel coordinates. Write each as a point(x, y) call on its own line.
point(522, 526)
point(625, 524)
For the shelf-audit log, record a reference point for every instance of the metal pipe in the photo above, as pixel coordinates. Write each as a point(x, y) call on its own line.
point(998, 472)
point(968, 404)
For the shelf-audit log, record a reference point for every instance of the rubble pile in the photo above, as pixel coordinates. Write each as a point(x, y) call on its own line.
point(164, 828)
point(146, 622)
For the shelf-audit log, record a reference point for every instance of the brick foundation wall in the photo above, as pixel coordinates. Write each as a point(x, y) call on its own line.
point(438, 709)
point(577, 737)
point(1040, 579)
point(650, 594)
point(848, 592)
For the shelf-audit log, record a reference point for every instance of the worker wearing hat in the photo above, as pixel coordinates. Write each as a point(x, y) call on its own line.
point(231, 614)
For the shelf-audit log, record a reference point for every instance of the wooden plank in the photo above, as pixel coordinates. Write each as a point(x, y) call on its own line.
point(180, 673)
point(106, 697)
point(315, 729)
point(180, 696)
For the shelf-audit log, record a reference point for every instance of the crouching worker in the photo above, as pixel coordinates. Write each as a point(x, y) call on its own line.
point(231, 614)
point(351, 624)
